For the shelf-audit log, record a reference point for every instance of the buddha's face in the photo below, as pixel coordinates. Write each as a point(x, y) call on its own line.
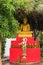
point(25, 20)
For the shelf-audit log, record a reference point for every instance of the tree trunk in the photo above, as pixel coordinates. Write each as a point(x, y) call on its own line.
point(0, 54)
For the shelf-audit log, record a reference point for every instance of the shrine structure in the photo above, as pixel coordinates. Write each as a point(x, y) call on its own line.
point(25, 48)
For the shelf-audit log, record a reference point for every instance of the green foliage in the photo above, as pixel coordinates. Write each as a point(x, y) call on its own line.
point(40, 6)
point(8, 24)
point(41, 38)
point(8, 27)
point(28, 5)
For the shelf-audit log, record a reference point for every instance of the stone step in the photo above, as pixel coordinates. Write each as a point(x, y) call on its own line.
point(5, 59)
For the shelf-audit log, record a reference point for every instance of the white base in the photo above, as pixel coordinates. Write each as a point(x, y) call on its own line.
point(7, 46)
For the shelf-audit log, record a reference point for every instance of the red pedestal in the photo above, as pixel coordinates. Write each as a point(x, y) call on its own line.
point(15, 53)
point(32, 54)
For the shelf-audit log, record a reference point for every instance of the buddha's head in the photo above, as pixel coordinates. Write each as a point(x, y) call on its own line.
point(25, 20)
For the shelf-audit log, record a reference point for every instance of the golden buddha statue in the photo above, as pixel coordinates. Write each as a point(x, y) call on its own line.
point(25, 26)
point(25, 29)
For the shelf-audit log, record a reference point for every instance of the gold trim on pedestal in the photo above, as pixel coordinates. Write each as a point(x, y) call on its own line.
point(24, 34)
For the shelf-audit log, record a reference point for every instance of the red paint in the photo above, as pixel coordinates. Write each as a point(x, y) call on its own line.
point(15, 53)
point(19, 39)
point(14, 43)
point(32, 54)
point(30, 41)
